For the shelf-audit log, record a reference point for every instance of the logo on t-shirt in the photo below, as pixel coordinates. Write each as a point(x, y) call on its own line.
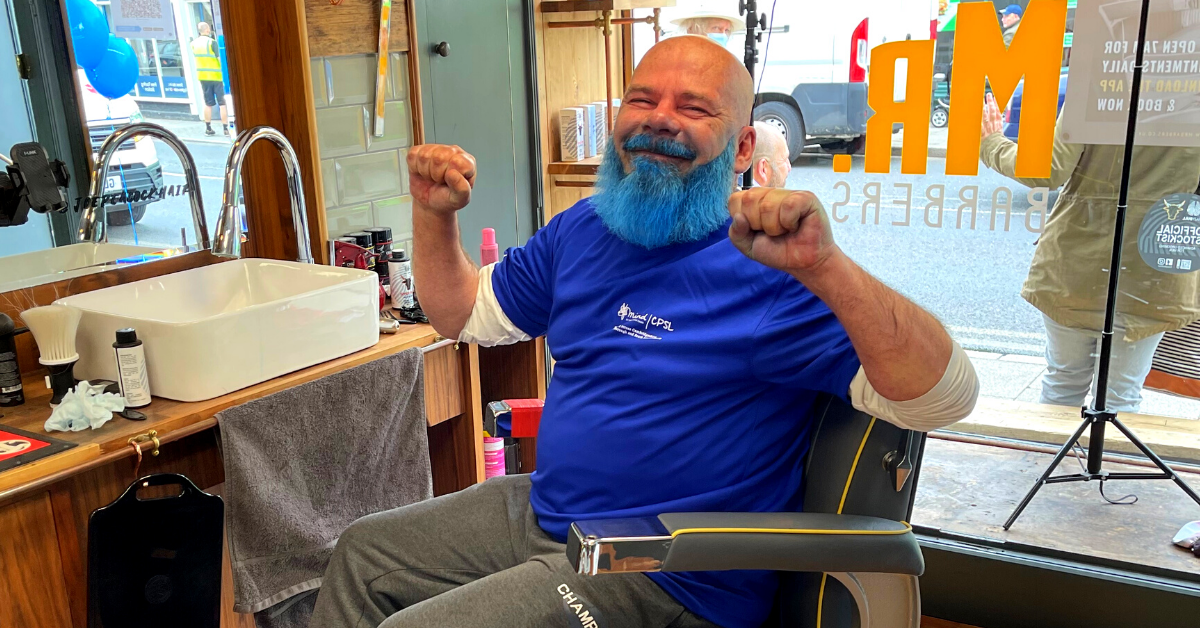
point(640, 325)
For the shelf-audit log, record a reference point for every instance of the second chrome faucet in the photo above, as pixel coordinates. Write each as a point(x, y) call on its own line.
point(228, 239)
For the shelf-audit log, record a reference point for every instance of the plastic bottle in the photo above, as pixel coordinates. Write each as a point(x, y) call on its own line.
point(401, 281)
point(11, 391)
point(493, 457)
point(131, 369)
point(489, 253)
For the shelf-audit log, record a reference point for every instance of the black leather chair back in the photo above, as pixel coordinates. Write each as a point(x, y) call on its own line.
point(845, 474)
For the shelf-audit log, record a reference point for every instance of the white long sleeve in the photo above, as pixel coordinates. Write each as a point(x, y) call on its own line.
point(488, 325)
point(952, 399)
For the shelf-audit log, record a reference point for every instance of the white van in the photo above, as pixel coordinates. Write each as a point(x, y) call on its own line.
point(813, 64)
point(134, 168)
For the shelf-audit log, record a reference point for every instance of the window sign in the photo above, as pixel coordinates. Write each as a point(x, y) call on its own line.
point(143, 19)
point(148, 86)
point(175, 87)
point(1096, 105)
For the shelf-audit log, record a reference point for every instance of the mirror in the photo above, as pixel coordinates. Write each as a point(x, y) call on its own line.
point(168, 70)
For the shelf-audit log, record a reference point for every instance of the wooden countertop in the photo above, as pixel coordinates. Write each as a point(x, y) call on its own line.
point(171, 419)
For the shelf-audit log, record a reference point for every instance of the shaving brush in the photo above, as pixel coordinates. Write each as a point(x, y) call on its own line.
point(54, 328)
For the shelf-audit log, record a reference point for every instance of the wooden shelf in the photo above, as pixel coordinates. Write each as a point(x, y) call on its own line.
point(586, 167)
point(567, 6)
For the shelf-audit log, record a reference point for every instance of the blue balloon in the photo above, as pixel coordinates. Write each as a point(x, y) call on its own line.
point(89, 32)
point(117, 72)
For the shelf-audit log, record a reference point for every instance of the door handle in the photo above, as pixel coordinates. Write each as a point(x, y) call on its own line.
point(442, 49)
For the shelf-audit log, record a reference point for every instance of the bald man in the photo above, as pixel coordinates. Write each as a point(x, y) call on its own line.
point(693, 328)
point(771, 163)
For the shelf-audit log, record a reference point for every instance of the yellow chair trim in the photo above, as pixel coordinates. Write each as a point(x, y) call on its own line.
point(906, 530)
point(854, 467)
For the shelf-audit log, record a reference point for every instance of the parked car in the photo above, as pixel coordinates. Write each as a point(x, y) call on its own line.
point(1012, 115)
point(812, 79)
point(135, 167)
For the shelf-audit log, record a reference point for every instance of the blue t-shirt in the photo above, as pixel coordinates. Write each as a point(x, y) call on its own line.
point(684, 382)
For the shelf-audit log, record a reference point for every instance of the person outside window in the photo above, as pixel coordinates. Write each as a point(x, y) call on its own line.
point(706, 22)
point(212, 80)
point(1068, 278)
point(1010, 19)
point(770, 164)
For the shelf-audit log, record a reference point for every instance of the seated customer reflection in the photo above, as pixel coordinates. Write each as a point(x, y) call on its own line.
point(770, 164)
point(693, 327)
point(1068, 278)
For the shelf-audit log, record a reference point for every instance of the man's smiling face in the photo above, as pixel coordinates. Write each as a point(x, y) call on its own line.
point(692, 93)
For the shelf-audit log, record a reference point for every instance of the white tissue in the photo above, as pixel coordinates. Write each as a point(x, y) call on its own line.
point(83, 407)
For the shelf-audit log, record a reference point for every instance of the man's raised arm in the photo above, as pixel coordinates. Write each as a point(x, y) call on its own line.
point(912, 374)
point(440, 180)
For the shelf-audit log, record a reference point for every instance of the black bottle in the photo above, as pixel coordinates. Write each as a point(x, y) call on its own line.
point(11, 392)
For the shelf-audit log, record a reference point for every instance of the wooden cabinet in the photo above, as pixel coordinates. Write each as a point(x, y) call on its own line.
point(35, 587)
point(44, 510)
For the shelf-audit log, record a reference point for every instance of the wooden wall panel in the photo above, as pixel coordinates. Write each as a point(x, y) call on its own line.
point(443, 385)
point(34, 592)
point(515, 371)
point(570, 72)
point(456, 445)
point(352, 27)
point(271, 78)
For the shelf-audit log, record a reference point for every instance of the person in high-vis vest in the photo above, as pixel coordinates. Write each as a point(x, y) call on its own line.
point(208, 71)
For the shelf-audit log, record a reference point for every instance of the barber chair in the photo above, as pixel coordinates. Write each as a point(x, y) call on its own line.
point(849, 560)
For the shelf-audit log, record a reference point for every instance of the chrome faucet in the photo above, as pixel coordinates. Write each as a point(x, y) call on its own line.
point(229, 225)
point(88, 231)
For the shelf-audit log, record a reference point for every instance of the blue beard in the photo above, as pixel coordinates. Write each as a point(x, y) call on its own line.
point(654, 205)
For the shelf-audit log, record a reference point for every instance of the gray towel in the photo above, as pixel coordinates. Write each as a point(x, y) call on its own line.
point(302, 464)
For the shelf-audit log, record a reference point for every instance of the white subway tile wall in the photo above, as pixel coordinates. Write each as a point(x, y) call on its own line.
point(365, 178)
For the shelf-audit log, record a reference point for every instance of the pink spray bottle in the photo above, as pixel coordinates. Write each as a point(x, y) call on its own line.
point(489, 253)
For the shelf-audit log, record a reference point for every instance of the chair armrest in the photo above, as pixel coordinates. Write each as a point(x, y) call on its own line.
point(723, 541)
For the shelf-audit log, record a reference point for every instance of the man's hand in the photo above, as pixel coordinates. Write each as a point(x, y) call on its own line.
point(784, 229)
point(993, 120)
point(440, 177)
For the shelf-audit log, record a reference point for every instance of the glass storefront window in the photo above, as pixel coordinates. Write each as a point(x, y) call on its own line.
point(1015, 267)
point(168, 93)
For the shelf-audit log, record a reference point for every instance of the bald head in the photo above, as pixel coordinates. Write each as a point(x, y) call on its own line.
point(204, 28)
point(770, 164)
point(715, 65)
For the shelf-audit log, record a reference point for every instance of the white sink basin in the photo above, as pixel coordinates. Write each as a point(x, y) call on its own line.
point(215, 329)
point(63, 262)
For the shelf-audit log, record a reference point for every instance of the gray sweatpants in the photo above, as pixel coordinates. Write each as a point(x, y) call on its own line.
point(478, 558)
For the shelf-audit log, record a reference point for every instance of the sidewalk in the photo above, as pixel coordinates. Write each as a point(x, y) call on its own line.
point(937, 141)
point(1019, 378)
point(193, 130)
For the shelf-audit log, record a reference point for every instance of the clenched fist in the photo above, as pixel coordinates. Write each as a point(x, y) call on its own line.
point(440, 177)
point(784, 229)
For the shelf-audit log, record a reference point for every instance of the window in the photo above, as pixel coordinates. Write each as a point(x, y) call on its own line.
point(1016, 270)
